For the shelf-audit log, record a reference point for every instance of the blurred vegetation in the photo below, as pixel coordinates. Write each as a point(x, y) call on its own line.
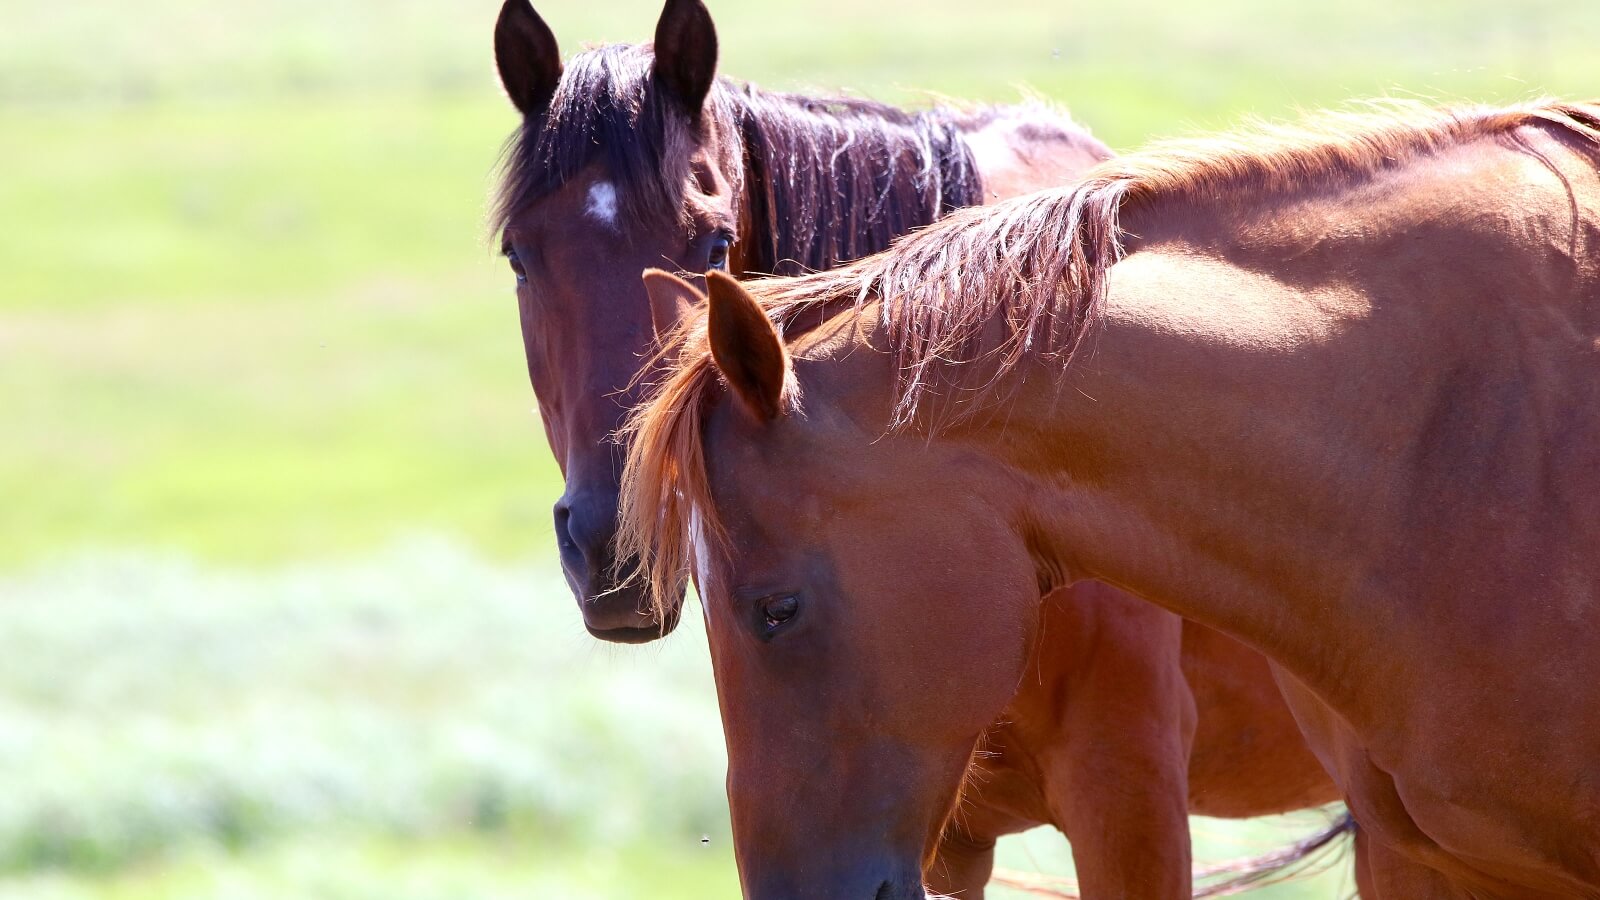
point(418, 723)
point(253, 341)
point(166, 726)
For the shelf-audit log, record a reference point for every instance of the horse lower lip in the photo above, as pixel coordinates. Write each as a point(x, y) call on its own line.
point(627, 635)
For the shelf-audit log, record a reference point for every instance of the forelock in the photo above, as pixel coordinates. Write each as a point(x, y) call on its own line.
point(607, 109)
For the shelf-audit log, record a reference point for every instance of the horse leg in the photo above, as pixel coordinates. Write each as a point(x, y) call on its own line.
point(1129, 831)
point(962, 865)
point(1365, 888)
point(1117, 773)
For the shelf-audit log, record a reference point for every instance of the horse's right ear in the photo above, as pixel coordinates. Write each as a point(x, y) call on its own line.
point(746, 346)
point(525, 52)
point(671, 300)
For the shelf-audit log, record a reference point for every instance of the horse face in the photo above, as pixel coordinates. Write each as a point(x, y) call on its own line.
point(865, 631)
point(587, 331)
point(587, 326)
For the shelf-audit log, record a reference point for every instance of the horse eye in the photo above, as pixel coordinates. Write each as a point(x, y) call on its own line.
point(777, 610)
point(516, 266)
point(719, 253)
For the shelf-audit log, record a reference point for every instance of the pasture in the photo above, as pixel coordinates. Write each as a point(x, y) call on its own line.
point(275, 580)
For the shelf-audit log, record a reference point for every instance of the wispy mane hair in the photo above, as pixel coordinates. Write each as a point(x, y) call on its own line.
point(1023, 280)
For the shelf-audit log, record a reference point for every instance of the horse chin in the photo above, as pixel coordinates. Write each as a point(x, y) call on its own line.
point(623, 617)
point(913, 891)
point(874, 878)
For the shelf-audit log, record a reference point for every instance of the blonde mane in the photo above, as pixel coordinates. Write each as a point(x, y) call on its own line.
point(1036, 265)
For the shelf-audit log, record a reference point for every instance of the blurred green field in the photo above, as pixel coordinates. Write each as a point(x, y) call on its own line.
point(420, 722)
point(279, 612)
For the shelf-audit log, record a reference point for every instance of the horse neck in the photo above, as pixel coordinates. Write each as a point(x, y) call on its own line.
point(1266, 434)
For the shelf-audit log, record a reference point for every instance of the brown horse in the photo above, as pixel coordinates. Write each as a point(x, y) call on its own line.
point(1339, 403)
point(637, 156)
point(631, 157)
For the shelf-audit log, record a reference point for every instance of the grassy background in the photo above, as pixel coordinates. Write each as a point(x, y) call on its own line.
point(279, 614)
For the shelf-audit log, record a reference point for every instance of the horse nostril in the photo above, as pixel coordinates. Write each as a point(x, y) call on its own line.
point(563, 522)
point(584, 531)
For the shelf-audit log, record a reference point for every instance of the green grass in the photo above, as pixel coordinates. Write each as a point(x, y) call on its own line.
point(342, 866)
point(252, 337)
point(148, 702)
point(261, 333)
point(154, 713)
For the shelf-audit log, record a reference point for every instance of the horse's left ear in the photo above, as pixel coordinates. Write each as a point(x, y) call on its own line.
point(671, 300)
point(686, 53)
point(746, 346)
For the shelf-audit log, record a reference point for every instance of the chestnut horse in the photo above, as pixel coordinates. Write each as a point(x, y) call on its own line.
point(1339, 403)
point(637, 156)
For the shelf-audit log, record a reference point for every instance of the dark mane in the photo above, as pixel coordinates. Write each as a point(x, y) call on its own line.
point(826, 180)
point(831, 180)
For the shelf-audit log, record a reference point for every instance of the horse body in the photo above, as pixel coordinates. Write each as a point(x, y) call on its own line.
point(1421, 487)
point(1339, 404)
point(1418, 489)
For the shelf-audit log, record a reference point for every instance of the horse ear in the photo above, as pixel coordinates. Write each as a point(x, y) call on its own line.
point(671, 300)
point(526, 54)
point(746, 346)
point(686, 53)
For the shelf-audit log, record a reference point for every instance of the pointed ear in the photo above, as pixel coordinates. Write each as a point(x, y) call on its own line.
point(686, 53)
point(746, 346)
point(525, 52)
point(671, 300)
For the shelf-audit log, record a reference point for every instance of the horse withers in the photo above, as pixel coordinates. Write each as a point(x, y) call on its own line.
point(631, 157)
point(1340, 405)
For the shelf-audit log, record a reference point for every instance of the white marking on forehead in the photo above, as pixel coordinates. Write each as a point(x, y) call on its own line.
point(603, 203)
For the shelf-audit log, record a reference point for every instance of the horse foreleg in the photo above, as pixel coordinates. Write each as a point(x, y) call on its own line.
point(1129, 830)
point(1118, 777)
point(1365, 888)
